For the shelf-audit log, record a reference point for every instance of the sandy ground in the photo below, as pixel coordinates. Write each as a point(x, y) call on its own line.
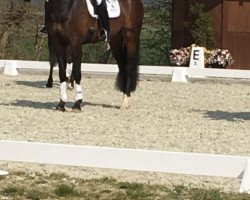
point(202, 116)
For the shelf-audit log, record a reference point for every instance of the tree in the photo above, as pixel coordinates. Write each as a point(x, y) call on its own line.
point(202, 29)
point(156, 35)
point(13, 13)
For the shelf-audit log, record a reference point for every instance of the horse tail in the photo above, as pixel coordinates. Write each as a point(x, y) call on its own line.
point(128, 74)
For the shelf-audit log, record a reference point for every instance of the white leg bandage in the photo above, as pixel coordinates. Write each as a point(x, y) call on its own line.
point(63, 91)
point(78, 92)
point(68, 70)
point(98, 2)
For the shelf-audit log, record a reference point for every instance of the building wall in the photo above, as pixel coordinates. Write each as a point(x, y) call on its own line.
point(182, 20)
point(231, 22)
point(236, 31)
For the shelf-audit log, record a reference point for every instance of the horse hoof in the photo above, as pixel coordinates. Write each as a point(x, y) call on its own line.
point(125, 103)
point(61, 108)
point(125, 107)
point(77, 106)
point(49, 85)
point(76, 110)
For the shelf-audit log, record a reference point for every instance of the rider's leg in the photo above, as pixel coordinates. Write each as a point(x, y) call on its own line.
point(104, 18)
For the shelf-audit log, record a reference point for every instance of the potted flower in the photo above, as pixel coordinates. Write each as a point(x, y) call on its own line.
point(219, 58)
point(180, 57)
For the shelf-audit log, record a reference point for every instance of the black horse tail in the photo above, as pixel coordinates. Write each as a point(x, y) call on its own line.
point(128, 75)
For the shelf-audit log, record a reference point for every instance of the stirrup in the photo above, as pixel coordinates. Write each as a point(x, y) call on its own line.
point(43, 31)
point(106, 35)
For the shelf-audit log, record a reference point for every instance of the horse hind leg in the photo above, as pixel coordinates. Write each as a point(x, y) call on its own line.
point(53, 63)
point(131, 69)
point(130, 83)
point(126, 53)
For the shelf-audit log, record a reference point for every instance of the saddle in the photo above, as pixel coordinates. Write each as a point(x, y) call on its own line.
point(113, 8)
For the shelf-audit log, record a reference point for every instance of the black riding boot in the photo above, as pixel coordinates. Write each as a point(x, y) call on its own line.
point(104, 19)
point(44, 28)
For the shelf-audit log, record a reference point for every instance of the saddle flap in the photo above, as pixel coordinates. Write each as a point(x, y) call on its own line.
point(113, 8)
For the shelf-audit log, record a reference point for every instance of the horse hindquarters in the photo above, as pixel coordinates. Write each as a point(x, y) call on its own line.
point(125, 47)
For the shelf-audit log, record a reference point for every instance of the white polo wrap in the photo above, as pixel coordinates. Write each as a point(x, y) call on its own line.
point(78, 92)
point(68, 70)
point(63, 91)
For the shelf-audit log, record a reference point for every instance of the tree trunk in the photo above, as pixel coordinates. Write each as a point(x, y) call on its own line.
point(5, 41)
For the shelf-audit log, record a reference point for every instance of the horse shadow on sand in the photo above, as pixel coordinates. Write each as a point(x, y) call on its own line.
point(224, 115)
point(48, 105)
point(35, 84)
point(52, 105)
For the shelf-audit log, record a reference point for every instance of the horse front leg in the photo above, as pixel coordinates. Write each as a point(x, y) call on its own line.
point(52, 62)
point(50, 79)
point(69, 75)
point(76, 73)
point(63, 84)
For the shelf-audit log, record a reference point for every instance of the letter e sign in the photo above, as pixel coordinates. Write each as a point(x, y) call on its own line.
point(196, 55)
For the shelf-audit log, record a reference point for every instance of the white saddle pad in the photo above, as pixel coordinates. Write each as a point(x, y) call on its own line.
point(113, 8)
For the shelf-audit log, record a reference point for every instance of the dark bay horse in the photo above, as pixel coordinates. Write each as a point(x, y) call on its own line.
point(70, 25)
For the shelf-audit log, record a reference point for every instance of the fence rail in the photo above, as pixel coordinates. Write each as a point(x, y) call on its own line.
point(129, 159)
point(153, 70)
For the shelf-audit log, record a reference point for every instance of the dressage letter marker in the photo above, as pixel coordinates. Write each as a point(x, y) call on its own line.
point(179, 75)
point(10, 68)
point(197, 59)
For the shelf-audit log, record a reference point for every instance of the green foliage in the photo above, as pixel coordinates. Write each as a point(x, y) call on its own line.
point(213, 194)
point(96, 53)
point(36, 195)
point(13, 190)
point(135, 190)
point(64, 190)
point(202, 30)
point(156, 34)
point(60, 186)
point(179, 189)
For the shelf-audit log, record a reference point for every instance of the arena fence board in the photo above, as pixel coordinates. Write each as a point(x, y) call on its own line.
point(129, 159)
point(154, 70)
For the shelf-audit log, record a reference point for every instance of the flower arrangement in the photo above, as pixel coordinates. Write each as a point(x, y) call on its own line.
point(180, 57)
point(220, 58)
point(217, 58)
